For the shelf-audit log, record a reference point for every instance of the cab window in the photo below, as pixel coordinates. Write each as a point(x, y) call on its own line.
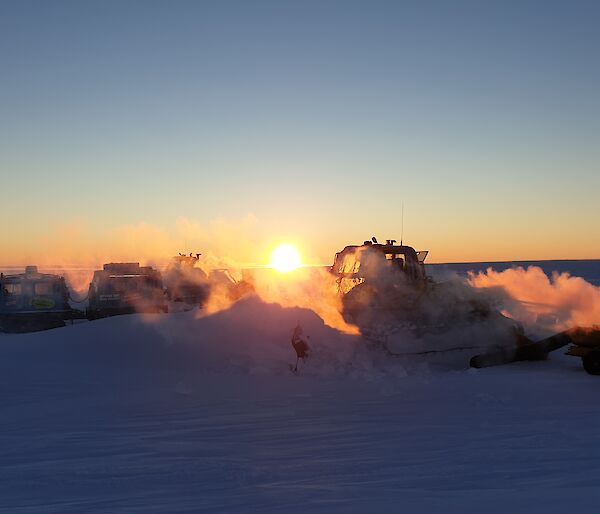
point(396, 259)
point(347, 264)
point(12, 288)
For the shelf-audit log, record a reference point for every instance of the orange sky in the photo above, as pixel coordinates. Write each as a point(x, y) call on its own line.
point(246, 241)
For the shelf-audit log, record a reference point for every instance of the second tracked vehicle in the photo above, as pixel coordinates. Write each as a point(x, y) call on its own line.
point(126, 288)
point(185, 281)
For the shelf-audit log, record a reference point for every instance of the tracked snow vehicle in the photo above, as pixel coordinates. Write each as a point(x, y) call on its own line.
point(379, 280)
point(185, 281)
point(387, 294)
point(373, 266)
point(125, 288)
point(33, 301)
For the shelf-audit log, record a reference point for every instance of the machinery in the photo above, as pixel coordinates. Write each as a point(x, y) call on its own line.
point(585, 343)
point(225, 285)
point(367, 275)
point(33, 301)
point(386, 293)
point(356, 263)
point(185, 281)
point(125, 288)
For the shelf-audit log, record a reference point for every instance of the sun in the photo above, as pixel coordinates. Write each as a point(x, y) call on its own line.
point(285, 258)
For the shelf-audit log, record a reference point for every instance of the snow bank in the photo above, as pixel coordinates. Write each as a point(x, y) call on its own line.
point(255, 337)
point(251, 338)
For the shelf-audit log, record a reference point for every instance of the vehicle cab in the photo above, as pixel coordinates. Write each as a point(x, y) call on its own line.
point(33, 301)
point(359, 263)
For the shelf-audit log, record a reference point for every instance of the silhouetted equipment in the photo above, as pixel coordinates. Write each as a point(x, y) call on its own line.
point(33, 301)
point(125, 288)
point(388, 296)
point(586, 344)
point(185, 281)
point(584, 341)
point(357, 264)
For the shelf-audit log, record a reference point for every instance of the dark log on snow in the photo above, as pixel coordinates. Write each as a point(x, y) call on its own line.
point(534, 351)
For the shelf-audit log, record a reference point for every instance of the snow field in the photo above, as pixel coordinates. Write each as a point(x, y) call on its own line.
point(175, 413)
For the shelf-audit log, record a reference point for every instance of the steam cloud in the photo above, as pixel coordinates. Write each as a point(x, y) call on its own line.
point(309, 288)
point(545, 304)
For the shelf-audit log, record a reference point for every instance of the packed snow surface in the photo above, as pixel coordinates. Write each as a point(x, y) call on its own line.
point(183, 413)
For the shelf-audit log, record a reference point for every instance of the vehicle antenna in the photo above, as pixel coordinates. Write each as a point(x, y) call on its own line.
point(402, 224)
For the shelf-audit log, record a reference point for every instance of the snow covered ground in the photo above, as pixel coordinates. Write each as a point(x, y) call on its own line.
point(175, 413)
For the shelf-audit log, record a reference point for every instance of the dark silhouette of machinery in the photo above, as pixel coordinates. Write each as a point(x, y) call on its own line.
point(33, 301)
point(125, 288)
point(185, 281)
point(380, 277)
point(586, 344)
point(389, 297)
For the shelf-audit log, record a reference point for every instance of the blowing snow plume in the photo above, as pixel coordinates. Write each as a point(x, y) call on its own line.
point(82, 245)
point(311, 288)
point(544, 304)
point(185, 281)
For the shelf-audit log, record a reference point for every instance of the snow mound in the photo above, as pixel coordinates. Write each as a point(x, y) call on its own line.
point(252, 337)
point(255, 337)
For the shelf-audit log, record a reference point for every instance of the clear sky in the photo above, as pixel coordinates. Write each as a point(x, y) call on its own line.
point(308, 122)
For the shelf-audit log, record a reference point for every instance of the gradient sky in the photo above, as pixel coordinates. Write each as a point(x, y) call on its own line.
point(313, 120)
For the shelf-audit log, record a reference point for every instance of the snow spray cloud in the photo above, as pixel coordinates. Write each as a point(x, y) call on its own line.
point(76, 249)
point(311, 288)
point(81, 245)
point(545, 304)
point(78, 281)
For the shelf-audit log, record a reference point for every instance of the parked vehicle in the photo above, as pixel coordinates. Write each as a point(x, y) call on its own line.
point(125, 288)
point(33, 301)
point(185, 281)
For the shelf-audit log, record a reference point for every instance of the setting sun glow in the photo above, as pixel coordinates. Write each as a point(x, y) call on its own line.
point(285, 258)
